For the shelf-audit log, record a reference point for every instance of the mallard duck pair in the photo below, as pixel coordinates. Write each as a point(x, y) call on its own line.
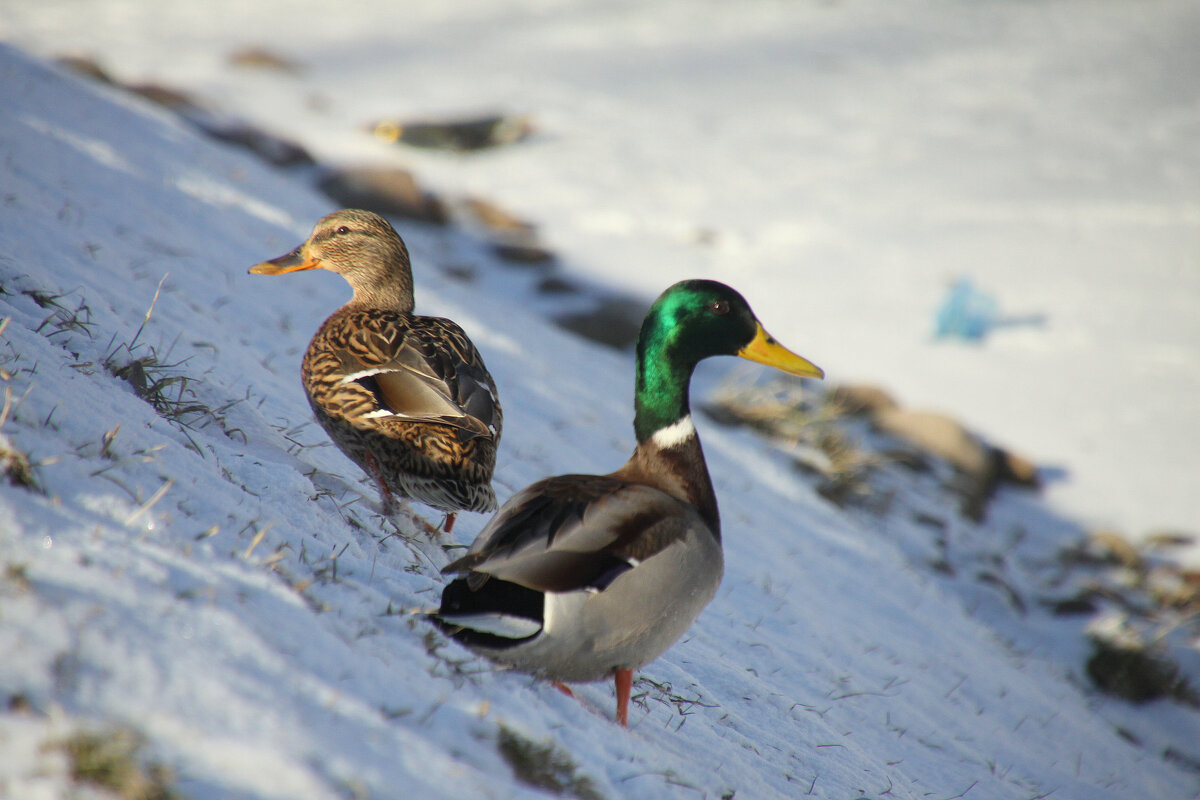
point(580, 578)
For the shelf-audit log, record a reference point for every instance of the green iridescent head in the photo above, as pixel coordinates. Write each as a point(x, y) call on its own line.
point(689, 322)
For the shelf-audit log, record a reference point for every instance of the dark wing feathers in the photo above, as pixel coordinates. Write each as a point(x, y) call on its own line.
point(574, 532)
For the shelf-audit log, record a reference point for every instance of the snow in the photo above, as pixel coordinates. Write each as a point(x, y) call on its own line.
point(226, 587)
point(853, 155)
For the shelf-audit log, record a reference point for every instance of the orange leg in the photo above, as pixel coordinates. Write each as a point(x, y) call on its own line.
point(448, 523)
point(376, 472)
point(624, 679)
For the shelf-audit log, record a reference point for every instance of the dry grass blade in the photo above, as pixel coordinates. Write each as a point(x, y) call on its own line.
point(146, 506)
point(7, 405)
point(149, 311)
point(257, 540)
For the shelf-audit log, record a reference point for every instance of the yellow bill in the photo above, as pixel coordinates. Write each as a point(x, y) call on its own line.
point(294, 261)
point(765, 350)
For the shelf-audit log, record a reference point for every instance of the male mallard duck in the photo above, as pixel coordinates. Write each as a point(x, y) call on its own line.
point(580, 577)
point(407, 398)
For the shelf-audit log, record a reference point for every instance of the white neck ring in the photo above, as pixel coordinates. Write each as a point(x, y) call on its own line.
point(674, 434)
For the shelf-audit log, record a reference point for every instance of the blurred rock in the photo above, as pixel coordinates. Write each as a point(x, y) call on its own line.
point(556, 285)
point(457, 135)
point(174, 99)
point(615, 322)
point(937, 434)
point(862, 400)
point(1019, 470)
point(86, 66)
point(1085, 601)
point(1124, 666)
point(261, 58)
point(388, 191)
point(460, 273)
point(267, 146)
point(1110, 547)
point(1169, 539)
point(982, 465)
point(522, 253)
point(513, 239)
point(494, 218)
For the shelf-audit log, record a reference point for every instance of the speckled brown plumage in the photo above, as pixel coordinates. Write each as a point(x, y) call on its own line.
point(405, 397)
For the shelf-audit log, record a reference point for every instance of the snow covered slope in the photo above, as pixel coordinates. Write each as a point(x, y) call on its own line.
point(195, 564)
point(855, 157)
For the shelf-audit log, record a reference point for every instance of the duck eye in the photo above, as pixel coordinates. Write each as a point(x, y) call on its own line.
point(342, 229)
point(719, 307)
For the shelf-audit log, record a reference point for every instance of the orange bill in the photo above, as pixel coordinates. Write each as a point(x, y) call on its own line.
point(294, 261)
point(765, 350)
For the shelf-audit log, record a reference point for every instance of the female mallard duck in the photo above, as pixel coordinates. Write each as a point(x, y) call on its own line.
point(580, 577)
point(407, 398)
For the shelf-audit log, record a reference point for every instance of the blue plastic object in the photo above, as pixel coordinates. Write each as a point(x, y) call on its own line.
point(966, 313)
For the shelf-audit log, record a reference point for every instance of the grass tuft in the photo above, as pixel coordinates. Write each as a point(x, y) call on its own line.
point(109, 760)
point(62, 318)
point(647, 689)
point(152, 375)
point(159, 381)
point(14, 464)
point(17, 576)
point(544, 766)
